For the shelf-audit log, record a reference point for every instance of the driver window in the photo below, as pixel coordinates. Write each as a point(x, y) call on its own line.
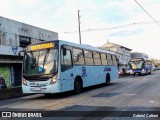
point(66, 61)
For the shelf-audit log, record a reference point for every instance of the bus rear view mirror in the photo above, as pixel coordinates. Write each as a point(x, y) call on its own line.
point(64, 52)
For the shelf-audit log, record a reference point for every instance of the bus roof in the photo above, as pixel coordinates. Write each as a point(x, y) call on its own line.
point(83, 46)
point(140, 58)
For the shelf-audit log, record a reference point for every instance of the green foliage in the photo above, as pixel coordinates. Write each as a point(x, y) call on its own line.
point(5, 73)
point(158, 64)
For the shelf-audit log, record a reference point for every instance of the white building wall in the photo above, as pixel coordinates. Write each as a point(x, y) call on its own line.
point(123, 54)
point(10, 31)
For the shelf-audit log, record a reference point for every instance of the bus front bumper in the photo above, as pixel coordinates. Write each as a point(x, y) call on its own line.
point(51, 88)
point(133, 72)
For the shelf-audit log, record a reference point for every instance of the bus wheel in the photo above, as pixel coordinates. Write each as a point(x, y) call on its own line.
point(139, 74)
point(78, 86)
point(107, 79)
point(47, 94)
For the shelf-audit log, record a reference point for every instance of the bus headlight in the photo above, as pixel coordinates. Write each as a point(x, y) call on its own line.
point(54, 79)
point(24, 82)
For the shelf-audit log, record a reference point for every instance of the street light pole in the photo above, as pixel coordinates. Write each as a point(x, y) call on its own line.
point(79, 28)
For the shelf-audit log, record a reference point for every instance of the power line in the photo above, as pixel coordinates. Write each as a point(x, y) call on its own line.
point(120, 26)
point(147, 12)
point(111, 28)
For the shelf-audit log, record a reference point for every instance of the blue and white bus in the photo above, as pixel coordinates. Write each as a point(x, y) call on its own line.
point(59, 66)
point(140, 66)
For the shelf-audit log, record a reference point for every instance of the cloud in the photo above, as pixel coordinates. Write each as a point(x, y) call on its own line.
point(61, 16)
point(126, 33)
point(104, 11)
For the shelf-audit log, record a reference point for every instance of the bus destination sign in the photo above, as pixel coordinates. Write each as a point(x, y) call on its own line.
point(136, 59)
point(40, 46)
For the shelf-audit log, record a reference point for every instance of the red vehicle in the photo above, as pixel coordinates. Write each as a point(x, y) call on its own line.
point(124, 71)
point(2, 83)
point(121, 72)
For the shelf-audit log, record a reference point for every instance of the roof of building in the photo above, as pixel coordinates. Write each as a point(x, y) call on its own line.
point(113, 44)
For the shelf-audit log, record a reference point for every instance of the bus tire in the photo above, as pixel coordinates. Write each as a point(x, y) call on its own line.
point(108, 79)
point(47, 94)
point(78, 86)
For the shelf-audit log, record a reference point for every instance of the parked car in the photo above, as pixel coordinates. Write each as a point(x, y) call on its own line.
point(153, 68)
point(157, 68)
point(121, 72)
point(127, 71)
point(2, 83)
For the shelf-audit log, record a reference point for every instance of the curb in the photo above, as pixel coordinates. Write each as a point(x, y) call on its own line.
point(11, 93)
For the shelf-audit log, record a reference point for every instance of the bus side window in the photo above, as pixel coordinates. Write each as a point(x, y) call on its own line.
point(110, 62)
point(97, 60)
point(88, 57)
point(114, 60)
point(78, 57)
point(66, 60)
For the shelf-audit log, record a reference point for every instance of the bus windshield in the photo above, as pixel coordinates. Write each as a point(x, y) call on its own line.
point(42, 62)
point(136, 64)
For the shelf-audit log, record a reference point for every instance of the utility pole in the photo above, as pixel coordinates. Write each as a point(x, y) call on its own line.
point(107, 40)
point(79, 27)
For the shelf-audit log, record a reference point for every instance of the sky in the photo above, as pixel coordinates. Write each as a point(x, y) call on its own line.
point(118, 21)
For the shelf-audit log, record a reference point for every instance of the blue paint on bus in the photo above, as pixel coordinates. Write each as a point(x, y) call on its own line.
point(58, 67)
point(140, 66)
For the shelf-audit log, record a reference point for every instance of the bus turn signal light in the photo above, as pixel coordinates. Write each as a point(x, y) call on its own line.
point(24, 82)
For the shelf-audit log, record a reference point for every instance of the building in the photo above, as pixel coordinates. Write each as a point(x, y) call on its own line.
point(123, 53)
point(156, 62)
point(14, 37)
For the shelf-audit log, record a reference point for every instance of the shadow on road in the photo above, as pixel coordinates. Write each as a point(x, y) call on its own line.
point(70, 93)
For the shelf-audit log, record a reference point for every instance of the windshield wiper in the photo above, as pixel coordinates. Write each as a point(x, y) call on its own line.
point(46, 57)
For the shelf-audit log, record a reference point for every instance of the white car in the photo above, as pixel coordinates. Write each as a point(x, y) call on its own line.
point(153, 68)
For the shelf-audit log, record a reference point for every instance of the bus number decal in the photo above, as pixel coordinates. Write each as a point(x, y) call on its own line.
point(84, 72)
point(107, 69)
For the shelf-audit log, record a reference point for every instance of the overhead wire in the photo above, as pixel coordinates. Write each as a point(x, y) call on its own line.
point(120, 26)
point(147, 12)
point(110, 28)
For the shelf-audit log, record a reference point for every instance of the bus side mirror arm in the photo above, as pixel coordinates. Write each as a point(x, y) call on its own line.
point(64, 52)
point(19, 54)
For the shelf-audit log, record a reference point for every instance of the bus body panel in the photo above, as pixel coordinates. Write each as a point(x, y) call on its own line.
point(146, 68)
point(42, 87)
point(91, 75)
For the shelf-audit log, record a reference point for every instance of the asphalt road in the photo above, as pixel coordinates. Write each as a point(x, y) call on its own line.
point(131, 93)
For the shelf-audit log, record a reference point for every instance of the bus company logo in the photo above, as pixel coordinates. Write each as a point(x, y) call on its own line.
point(32, 83)
point(6, 114)
point(108, 69)
point(84, 70)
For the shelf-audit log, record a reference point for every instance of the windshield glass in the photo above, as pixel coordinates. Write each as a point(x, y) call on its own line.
point(42, 62)
point(136, 64)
